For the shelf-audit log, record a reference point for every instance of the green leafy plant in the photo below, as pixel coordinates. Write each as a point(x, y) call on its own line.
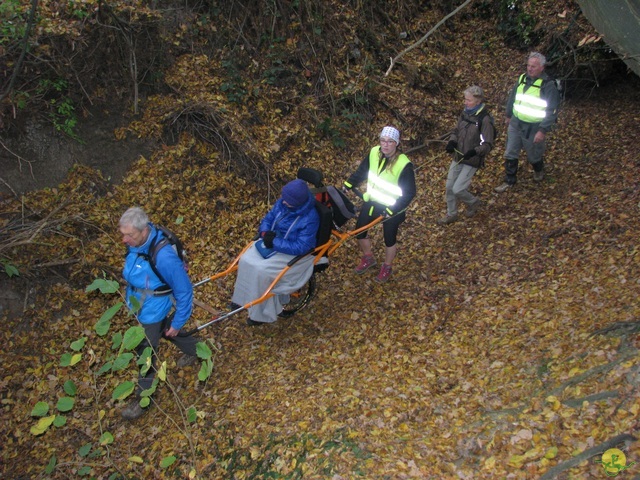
point(233, 85)
point(9, 268)
point(77, 9)
point(121, 354)
point(12, 26)
point(518, 26)
point(334, 127)
point(61, 108)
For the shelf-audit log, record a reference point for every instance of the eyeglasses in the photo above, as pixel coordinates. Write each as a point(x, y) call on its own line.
point(387, 142)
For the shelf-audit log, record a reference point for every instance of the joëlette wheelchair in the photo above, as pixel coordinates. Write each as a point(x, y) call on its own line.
point(335, 210)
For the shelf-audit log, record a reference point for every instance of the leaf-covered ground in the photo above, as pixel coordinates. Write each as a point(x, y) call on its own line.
point(503, 346)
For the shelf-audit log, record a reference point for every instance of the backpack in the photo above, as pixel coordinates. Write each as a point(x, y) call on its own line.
point(167, 238)
point(341, 207)
point(492, 122)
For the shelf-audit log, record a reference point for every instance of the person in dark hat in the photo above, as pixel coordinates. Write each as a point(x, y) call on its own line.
point(288, 230)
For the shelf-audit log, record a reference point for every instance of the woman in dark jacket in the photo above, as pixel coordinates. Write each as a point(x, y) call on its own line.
point(469, 143)
point(288, 230)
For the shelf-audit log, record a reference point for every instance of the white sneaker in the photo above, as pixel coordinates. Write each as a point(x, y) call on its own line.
point(503, 187)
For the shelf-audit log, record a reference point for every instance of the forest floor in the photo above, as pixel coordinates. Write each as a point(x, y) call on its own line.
point(504, 346)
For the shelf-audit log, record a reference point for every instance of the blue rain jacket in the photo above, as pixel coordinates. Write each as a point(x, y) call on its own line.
point(295, 229)
point(141, 280)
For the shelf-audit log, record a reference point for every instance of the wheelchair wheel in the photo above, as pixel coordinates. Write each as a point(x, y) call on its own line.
point(300, 298)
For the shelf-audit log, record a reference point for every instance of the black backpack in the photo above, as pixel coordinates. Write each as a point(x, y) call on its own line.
point(167, 238)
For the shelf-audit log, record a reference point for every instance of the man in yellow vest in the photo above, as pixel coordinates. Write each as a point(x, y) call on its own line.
point(531, 111)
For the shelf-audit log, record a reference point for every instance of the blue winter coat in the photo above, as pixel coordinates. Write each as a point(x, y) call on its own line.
point(295, 229)
point(141, 280)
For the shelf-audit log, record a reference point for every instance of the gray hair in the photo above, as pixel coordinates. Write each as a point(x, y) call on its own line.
point(475, 91)
point(136, 217)
point(538, 56)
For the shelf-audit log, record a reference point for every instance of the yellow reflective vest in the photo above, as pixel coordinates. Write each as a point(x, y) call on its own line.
point(382, 186)
point(528, 106)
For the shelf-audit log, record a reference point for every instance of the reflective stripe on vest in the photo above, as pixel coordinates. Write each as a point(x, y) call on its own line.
point(382, 187)
point(528, 106)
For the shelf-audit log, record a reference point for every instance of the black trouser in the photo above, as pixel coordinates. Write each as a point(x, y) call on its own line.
point(511, 169)
point(371, 210)
point(521, 135)
point(153, 333)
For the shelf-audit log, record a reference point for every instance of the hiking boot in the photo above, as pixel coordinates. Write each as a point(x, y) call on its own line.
point(447, 219)
point(503, 187)
point(366, 262)
point(473, 208)
point(186, 360)
point(133, 410)
point(385, 273)
point(253, 323)
point(538, 176)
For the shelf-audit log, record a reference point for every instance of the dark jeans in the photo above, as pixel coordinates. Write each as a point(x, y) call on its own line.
point(153, 333)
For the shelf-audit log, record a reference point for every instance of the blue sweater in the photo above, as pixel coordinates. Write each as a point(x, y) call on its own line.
point(140, 276)
point(295, 229)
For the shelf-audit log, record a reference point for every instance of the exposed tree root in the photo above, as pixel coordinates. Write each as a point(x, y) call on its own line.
point(577, 402)
point(587, 454)
point(619, 328)
point(626, 355)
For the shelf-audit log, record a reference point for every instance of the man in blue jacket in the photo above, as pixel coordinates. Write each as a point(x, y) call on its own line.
point(155, 290)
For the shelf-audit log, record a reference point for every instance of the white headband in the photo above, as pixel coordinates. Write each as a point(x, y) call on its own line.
point(392, 133)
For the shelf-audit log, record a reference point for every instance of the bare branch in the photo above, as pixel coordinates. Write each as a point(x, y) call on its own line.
point(9, 187)
point(25, 47)
point(20, 160)
point(440, 139)
point(424, 39)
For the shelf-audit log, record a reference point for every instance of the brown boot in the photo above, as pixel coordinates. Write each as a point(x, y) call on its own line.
point(133, 410)
point(447, 219)
point(473, 208)
point(186, 360)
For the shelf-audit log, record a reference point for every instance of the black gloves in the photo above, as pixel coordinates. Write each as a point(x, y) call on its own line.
point(451, 146)
point(268, 237)
point(470, 153)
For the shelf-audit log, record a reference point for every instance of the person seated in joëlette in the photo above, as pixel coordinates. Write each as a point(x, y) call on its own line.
point(289, 229)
